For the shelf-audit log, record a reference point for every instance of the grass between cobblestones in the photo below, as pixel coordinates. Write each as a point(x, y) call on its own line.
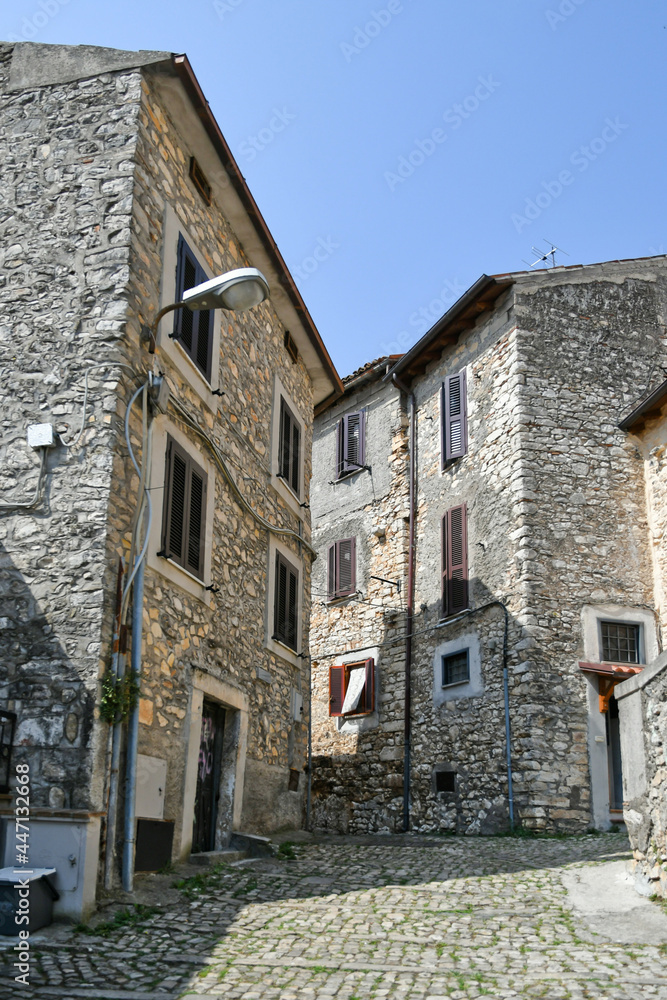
point(389, 919)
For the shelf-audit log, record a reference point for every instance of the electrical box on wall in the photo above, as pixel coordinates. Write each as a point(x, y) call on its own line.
point(41, 436)
point(151, 784)
point(297, 706)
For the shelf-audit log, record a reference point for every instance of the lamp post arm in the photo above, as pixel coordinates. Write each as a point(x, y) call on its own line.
point(151, 332)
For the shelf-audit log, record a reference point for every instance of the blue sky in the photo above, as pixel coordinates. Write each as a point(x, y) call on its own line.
point(401, 148)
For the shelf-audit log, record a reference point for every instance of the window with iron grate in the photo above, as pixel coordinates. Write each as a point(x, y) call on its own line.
point(620, 642)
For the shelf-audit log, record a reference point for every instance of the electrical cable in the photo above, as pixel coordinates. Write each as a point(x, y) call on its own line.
point(28, 504)
point(404, 635)
point(108, 366)
point(222, 465)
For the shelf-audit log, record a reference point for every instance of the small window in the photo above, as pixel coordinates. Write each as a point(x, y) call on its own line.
point(289, 447)
point(193, 328)
point(445, 781)
point(454, 417)
point(286, 603)
point(455, 668)
point(620, 642)
point(199, 180)
point(454, 561)
point(342, 569)
point(184, 511)
point(350, 443)
point(351, 688)
point(291, 347)
point(293, 783)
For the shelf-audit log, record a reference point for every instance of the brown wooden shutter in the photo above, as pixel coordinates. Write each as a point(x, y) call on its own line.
point(455, 560)
point(184, 510)
point(336, 690)
point(331, 581)
point(295, 456)
point(367, 702)
point(286, 603)
point(351, 443)
point(346, 567)
point(454, 409)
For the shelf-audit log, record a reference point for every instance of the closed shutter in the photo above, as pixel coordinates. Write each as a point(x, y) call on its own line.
point(289, 447)
point(342, 568)
point(454, 417)
point(286, 603)
point(351, 443)
point(336, 690)
point(184, 512)
point(455, 560)
point(193, 328)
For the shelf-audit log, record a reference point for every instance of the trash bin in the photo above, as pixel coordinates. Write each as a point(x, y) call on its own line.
point(37, 903)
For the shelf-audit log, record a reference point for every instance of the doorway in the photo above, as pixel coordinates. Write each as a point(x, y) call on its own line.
point(614, 762)
point(208, 777)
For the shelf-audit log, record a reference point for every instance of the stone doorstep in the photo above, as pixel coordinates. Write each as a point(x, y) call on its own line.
point(252, 845)
point(205, 858)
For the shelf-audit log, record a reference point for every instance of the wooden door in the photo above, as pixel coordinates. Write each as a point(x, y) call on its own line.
point(208, 777)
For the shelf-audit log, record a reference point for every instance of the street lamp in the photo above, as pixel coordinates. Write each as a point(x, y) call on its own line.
point(235, 290)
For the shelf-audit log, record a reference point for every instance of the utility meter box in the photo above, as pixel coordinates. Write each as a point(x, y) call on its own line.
point(151, 784)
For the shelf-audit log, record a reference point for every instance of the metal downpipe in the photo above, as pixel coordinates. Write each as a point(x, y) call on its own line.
point(133, 732)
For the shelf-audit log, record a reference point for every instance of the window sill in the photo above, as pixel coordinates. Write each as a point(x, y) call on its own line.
point(285, 652)
point(446, 687)
point(340, 598)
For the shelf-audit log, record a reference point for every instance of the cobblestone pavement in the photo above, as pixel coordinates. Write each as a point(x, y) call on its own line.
point(356, 918)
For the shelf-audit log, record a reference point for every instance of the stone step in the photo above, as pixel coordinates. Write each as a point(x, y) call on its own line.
point(254, 846)
point(216, 857)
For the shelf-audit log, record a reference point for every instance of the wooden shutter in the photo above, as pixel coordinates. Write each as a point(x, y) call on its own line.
point(295, 456)
point(454, 417)
point(346, 570)
point(286, 603)
point(331, 575)
point(184, 512)
point(289, 447)
point(351, 443)
point(192, 327)
point(455, 560)
point(367, 701)
point(336, 690)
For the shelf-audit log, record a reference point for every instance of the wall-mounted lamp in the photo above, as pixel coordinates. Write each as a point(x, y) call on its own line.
point(236, 290)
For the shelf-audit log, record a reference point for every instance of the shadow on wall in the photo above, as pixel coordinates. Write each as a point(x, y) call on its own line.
point(43, 683)
point(459, 779)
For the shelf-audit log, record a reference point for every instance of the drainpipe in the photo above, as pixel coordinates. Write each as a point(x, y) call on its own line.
point(310, 742)
point(133, 731)
point(407, 736)
point(117, 669)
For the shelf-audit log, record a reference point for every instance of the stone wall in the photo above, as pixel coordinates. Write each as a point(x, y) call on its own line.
point(221, 634)
point(67, 157)
point(643, 716)
point(357, 763)
point(96, 183)
point(557, 531)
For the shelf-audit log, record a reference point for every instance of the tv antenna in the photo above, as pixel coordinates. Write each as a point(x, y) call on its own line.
point(543, 256)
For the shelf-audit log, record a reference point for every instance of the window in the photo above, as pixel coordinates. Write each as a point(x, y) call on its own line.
point(351, 688)
point(289, 447)
point(455, 668)
point(445, 781)
point(193, 328)
point(350, 443)
point(342, 579)
point(620, 642)
point(454, 419)
point(286, 603)
point(454, 561)
point(184, 510)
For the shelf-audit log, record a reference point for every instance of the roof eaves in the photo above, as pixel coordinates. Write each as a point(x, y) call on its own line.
point(645, 408)
point(190, 83)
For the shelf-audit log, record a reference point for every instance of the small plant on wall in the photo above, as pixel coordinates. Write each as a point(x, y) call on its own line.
point(119, 696)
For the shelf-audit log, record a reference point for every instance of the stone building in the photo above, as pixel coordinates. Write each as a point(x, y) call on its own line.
point(120, 194)
point(528, 591)
point(642, 699)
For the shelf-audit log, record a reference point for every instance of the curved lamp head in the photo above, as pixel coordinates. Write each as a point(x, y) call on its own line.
point(236, 290)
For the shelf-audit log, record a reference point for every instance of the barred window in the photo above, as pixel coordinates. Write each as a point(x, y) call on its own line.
point(455, 668)
point(620, 642)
